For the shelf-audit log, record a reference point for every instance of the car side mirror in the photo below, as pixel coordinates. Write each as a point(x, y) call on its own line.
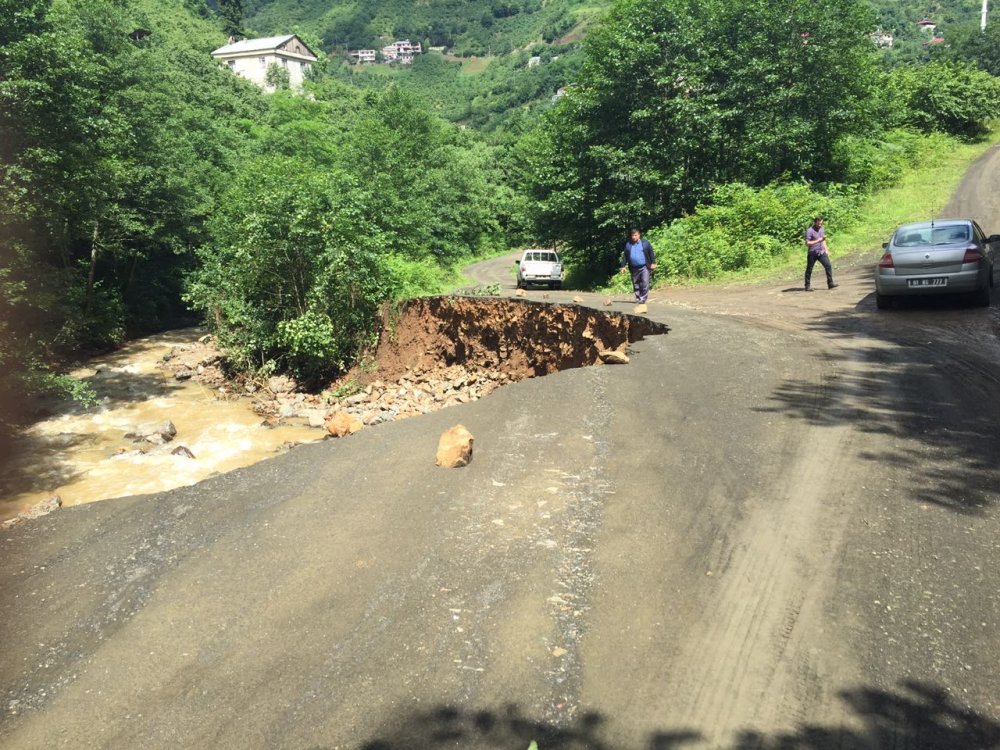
point(516, 262)
point(885, 245)
point(994, 238)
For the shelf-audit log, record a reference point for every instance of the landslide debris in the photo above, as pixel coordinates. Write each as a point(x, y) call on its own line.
point(436, 352)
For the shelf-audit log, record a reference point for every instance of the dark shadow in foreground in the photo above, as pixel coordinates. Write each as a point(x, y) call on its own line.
point(916, 717)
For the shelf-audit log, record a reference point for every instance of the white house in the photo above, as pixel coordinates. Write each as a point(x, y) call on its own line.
point(361, 55)
point(251, 58)
point(401, 52)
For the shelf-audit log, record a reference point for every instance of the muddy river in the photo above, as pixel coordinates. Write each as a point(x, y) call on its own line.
point(82, 454)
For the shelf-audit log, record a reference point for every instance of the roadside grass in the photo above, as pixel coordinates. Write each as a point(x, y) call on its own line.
point(921, 193)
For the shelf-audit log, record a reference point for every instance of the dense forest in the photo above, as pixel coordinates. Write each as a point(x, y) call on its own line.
point(147, 186)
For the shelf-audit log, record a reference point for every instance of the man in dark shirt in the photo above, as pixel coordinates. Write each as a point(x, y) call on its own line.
point(816, 251)
point(640, 260)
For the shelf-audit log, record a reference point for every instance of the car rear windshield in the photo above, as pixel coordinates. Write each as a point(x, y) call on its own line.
point(919, 236)
point(544, 256)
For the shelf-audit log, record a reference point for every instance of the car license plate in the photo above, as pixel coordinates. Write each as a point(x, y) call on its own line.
point(938, 281)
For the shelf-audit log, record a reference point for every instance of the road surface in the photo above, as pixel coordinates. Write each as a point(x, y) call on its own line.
point(777, 527)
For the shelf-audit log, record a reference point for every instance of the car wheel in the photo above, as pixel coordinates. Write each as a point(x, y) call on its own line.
point(883, 301)
point(557, 285)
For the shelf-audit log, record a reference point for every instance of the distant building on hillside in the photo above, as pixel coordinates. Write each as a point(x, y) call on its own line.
point(533, 61)
point(402, 52)
point(251, 58)
point(927, 25)
point(361, 55)
point(881, 38)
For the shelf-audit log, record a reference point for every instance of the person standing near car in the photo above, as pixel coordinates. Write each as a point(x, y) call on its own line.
point(816, 250)
point(640, 261)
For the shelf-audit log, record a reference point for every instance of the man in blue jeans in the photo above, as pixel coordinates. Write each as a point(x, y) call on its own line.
point(816, 251)
point(639, 259)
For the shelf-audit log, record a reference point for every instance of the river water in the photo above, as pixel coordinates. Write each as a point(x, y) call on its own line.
point(82, 454)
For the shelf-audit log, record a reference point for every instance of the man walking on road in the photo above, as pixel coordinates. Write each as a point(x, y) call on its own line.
point(639, 259)
point(816, 250)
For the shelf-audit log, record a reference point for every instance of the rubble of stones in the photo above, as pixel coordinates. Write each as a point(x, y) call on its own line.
point(202, 361)
point(459, 349)
point(277, 399)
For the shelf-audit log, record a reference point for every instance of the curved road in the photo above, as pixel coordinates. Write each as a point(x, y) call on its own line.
point(777, 527)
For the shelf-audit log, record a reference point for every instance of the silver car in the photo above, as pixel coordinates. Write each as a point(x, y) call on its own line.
point(947, 256)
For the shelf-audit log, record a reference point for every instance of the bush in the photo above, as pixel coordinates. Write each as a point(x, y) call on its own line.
point(743, 228)
point(294, 280)
point(954, 98)
point(872, 164)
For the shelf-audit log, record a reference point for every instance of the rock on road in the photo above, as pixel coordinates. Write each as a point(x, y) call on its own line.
point(776, 527)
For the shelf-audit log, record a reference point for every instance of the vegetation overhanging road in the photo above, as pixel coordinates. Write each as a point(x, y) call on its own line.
point(776, 527)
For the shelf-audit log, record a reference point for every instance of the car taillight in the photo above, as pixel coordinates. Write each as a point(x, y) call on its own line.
point(886, 261)
point(972, 255)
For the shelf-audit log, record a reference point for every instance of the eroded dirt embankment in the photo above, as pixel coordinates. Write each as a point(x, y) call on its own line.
point(518, 339)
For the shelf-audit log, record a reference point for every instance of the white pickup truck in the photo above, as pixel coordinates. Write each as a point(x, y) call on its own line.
point(539, 266)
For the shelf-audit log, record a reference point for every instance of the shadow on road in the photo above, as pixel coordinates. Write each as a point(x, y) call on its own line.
point(918, 716)
point(927, 381)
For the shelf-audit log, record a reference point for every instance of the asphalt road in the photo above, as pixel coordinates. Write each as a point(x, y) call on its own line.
point(777, 527)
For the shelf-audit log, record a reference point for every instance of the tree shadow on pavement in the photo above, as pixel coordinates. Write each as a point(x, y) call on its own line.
point(926, 383)
point(917, 717)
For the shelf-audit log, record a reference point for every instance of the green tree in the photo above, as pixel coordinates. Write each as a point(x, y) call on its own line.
point(294, 277)
point(677, 96)
point(231, 12)
point(954, 98)
point(969, 44)
point(277, 77)
point(112, 150)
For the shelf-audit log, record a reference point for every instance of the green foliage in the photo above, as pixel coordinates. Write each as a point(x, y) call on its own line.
point(416, 277)
point(294, 278)
point(112, 152)
point(277, 77)
point(352, 200)
point(871, 163)
point(982, 48)
point(954, 98)
point(478, 28)
point(432, 189)
point(676, 97)
point(231, 12)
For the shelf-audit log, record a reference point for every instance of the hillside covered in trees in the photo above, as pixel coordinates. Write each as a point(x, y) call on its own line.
point(490, 27)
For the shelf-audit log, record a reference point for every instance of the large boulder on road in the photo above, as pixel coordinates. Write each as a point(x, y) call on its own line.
point(455, 447)
point(342, 423)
